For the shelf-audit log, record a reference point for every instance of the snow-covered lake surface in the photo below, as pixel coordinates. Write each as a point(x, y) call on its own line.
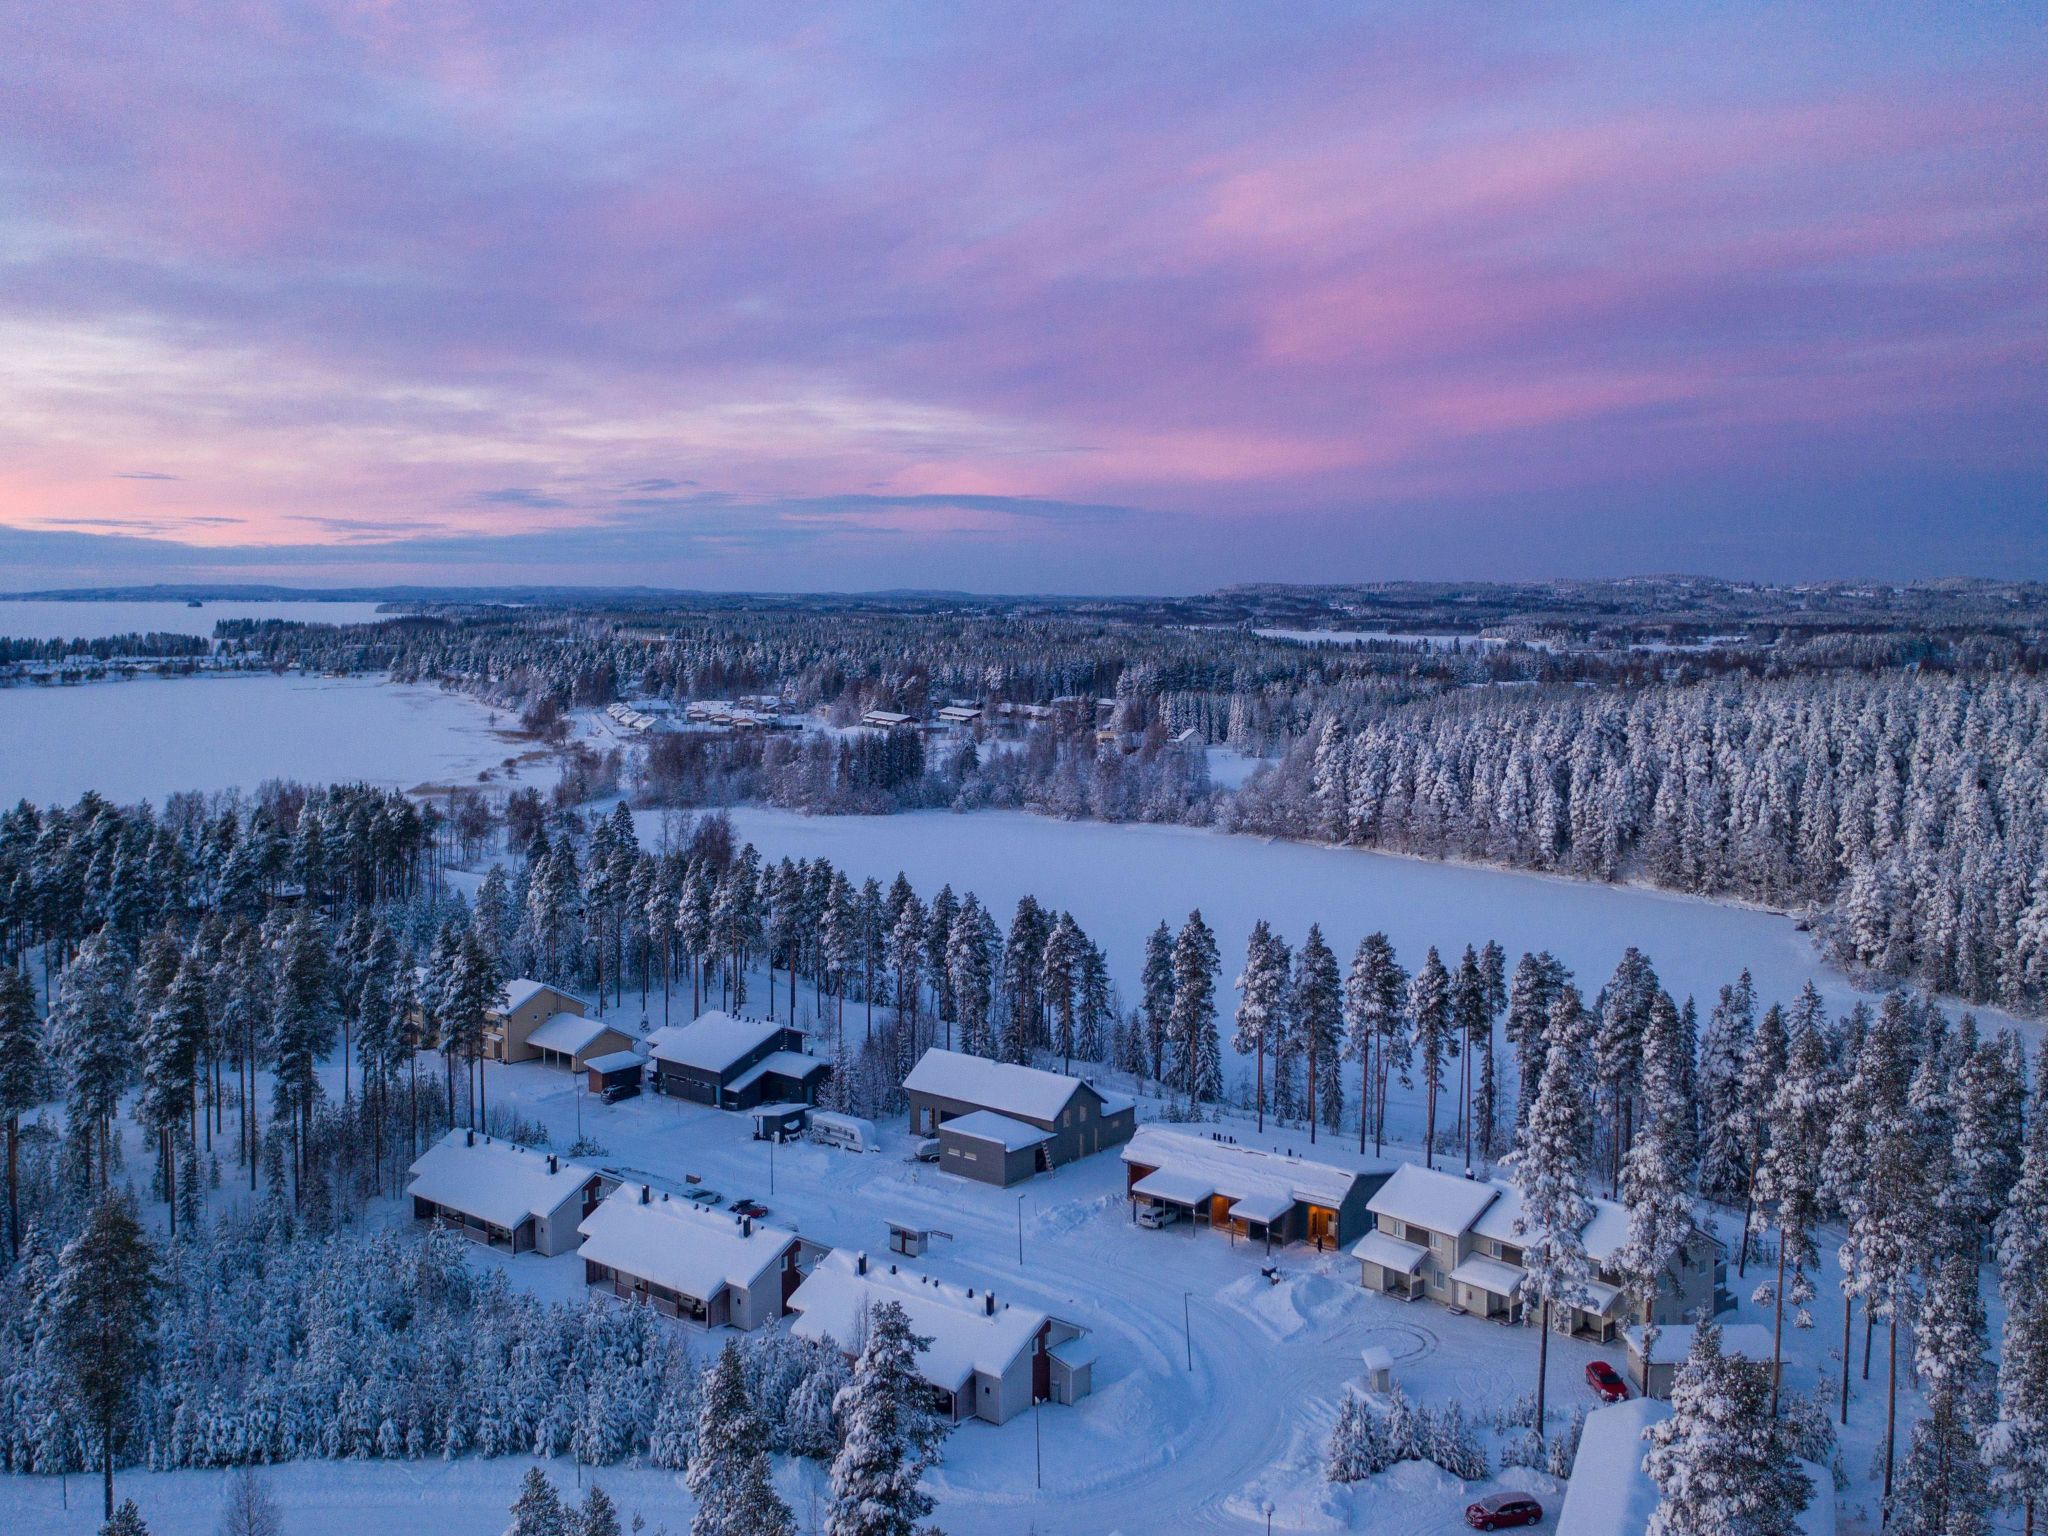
point(1120, 880)
point(149, 737)
point(46, 619)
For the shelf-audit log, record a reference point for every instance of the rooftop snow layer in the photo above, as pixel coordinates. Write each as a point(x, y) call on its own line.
point(518, 992)
point(1240, 1173)
point(1490, 1275)
point(1025, 1093)
point(676, 1244)
point(1423, 1197)
point(987, 1125)
point(497, 1181)
point(794, 1064)
point(1611, 1495)
point(833, 1301)
point(566, 1033)
point(1389, 1253)
point(1603, 1235)
point(712, 1042)
point(615, 1061)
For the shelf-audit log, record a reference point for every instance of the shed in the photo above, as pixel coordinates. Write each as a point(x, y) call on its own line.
point(616, 1074)
point(778, 1122)
point(1379, 1368)
point(1747, 1341)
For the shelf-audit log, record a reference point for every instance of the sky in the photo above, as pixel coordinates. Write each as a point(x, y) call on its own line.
point(1102, 298)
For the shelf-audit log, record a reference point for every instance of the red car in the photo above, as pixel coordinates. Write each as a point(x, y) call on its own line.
point(1604, 1379)
point(1503, 1509)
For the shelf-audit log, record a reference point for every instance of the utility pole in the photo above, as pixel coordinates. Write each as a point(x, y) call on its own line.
point(1037, 1445)
point(1020, 1231)
point(1188, 1325)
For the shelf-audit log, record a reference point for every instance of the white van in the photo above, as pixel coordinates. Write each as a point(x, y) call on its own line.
point(849, 1132)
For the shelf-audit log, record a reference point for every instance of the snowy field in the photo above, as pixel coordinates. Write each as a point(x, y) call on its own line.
point(148, 737)
point(42, 619)
point(1120, 880)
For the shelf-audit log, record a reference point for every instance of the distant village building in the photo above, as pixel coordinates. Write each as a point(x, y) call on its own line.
point(503, 1194)
point(734, 1063)
point(537, 1022)
point(987, 1359)
point(711, 1268)
point(998, 1122)
point(1454, 1241)
point(887, 719)
point(960, 714)
point(1265, 1197)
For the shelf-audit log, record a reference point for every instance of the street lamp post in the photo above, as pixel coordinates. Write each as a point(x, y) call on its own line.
point(1188, 1326)
point(1020, 1231)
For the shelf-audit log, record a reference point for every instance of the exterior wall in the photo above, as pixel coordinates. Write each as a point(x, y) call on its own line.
point(1446, 1252)
point(511, 1030)
point(988, 1162)
point(608, 1041)
point(556, 1232)
point(997, 1398)
point(701, 1086)
point(1353, 1219)
point(1080, 1130)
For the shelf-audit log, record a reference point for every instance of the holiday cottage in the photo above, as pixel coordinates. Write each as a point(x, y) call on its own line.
point(1263, 1196)
point(503, 1194)
point(734, 1063)
point(536, 1022)
point(711, 1268)
point(987, 1359)
point(1457, 1242)
point(1000, 1123)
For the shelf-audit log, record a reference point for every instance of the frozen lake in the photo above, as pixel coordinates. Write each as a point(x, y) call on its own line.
point(1120, 880)
point(45, 619)
point(148, 737)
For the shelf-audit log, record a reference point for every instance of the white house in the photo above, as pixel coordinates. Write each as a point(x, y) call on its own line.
point(988, 1359)
point(706, 1267)
point(1454, 1241)
point(1611, 1495)
point(503, 1194)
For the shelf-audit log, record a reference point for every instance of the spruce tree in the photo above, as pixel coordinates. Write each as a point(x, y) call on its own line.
point(729, 1471)
point(1720, 1461)
point(1375, 993)
point(23, 1077)
point(2017, 1445)
point(1157, 1007)
point(538, 1511)
point(1429, 1014)
point(1789, 1181)
point(1945, 1489)
point(103, 1324)
point(892, 1436)
point(1261, 1006)
point(1198, 1055)
point(1655, 1175)
point(1316, 1004)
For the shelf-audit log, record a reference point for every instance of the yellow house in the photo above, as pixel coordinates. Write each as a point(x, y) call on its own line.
point(536, 1022)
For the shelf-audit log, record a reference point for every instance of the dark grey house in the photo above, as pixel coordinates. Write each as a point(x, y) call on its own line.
point(999, 1123)
point(732, 1063)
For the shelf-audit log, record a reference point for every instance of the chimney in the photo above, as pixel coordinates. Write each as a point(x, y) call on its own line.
point(646, 1195)
point(746, 1226)
point(472, 1137)
point(988, 1304)
point(554, 1163)
point(860, 1263)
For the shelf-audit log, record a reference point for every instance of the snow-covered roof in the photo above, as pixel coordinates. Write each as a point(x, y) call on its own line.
point(711, 1042)
point(1603, 1235)
point(499, 1182)
point(1249, 1175)
point(965, 1338)
point(615, 1061)
point(1752, 1341)
point(1611, 1495)
point(1489, 1275)
point(1442, 1202)
point(788, 1063)
point(677, 1244)
point(518, 992)
point(1389, 1253)
point(1024, 1093)
point(987, 1125)
point(1174, 1187)
point(567, 1033)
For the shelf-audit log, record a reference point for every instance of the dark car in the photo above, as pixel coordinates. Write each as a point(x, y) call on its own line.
point(753, 1208)
point(1604, 1379)
point(1498, 1511)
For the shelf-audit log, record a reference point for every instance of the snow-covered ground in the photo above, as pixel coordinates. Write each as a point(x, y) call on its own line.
point(148, 737)
point(43, 619)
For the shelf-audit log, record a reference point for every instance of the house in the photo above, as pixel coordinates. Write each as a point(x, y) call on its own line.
point(1748, 1341)
point(711, 1268)
point(1611, 1495)
point(887, 719)
point(503, 1194)
point(1263, 1196)
point(959, 714)
point(536, 1022)
point(1455, 1241)
point(734, 1063)
point(987, 1359)
point(998, 1122)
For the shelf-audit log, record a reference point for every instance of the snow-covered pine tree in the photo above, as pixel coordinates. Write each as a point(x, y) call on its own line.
point(1763, 1064)
point(1720, 1462)
point(1548, 1167)
point(1429, 1016)
point(23, 1078)
point(1945, 1488)
point(729, 1472)
point(1539, 980)
point(1789, 1179)
point(2016, 1446)
point(538, 1511)
point(1316, 1009)
point(1376, 1035)
point(1261, 1006)
point(1655, 1174)
point(892, 1436)
point(1157, 1006)
point(1722, 1149)
point(1198, 1054)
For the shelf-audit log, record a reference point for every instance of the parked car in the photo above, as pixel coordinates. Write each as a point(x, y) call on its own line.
point(616, 1091)
point(1605, 1380)
point(1497, 1511)
point(703, 1196)
point(1157, 1213)
point(753, 1208)
point(928, 1149)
